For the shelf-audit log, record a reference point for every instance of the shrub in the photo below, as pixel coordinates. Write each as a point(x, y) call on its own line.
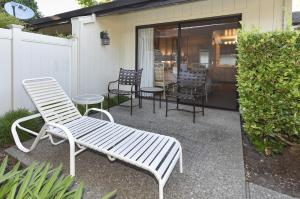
point(6, 20)
point(36, 181)
point(9, 118)
point(39, 181)
point(268, 79)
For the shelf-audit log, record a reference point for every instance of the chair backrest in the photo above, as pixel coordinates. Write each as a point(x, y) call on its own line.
point(51, 100)
point(159, 72)
point(192, 79)
point(130, 77)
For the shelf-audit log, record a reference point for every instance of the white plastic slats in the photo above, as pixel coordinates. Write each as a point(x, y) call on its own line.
point(65, 119)
point(142, 146)
point(160, 141)
point(51, 101)
point(39, 96)
point(161, 154)
point(154, 139)
point(57, 110)
point(119, 138)
point(126, 142)
point(109, 133)
point(41, 88)
point(45, 81)
point(52, 106)
point(133, 145)
point(113, 136)
point(85, 130)
point(168, 160)
point(97, 134)
point(48, 95)
point(153, 151)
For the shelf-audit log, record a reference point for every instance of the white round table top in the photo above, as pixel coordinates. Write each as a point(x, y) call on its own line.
point(152, 89)
point(88, 99)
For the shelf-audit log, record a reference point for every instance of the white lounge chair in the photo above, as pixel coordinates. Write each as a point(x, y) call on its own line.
point(155, 153)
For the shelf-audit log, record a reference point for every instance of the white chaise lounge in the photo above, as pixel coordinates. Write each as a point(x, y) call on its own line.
point(155, 153)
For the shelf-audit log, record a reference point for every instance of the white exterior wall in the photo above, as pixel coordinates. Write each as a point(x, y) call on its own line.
point(29, 55)
point(266, 15)
point(97, 64)
point(100, 64)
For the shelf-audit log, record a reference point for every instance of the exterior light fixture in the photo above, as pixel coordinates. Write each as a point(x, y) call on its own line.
point(105, 40)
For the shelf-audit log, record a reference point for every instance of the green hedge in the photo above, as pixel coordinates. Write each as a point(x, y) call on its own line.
point(268, 85)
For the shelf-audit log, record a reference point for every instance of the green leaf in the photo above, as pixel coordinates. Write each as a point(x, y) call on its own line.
point(110, 195)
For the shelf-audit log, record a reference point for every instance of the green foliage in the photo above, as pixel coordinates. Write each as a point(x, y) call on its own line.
point(9, 118)
point(113, 101)
point(36, 181)
point(29, 3)
point(88, 3)
point(6, 20)
point(268, 85)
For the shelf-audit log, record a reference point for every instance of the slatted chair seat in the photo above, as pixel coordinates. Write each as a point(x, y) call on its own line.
point(155, 153)
point(120, 92)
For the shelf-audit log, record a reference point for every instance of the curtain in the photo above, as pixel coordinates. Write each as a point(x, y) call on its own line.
point(146, 56)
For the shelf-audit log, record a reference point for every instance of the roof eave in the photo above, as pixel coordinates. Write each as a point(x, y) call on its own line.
point(115, 7)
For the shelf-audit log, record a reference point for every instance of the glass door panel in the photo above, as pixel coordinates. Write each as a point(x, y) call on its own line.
point(211, 47)
point(165, 55)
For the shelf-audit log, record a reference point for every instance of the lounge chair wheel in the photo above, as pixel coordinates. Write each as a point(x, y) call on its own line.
point(112, 159)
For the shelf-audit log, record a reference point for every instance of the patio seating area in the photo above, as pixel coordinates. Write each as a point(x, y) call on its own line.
point(212, 158)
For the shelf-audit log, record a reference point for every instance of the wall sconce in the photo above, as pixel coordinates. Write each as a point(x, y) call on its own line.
point(104, 38)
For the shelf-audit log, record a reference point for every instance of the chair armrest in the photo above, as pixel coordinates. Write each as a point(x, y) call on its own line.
point(109, 83)
point(111, 119)
point(15, 135)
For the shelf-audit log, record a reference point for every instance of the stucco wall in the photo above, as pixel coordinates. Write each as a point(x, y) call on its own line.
point(101, 63)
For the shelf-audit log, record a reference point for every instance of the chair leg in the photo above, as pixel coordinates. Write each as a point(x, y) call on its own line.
point(202, 105)
point(108, 102)
point(131, 105)
point(194, 111)
point(139, 99)
point(118, 99)
point(166, 106)
point(161, 190)
point(177, 101)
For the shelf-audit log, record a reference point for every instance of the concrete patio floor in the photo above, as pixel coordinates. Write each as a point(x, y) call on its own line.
point(212, 158)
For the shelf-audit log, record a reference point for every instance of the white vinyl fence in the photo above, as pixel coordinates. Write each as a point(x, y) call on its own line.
point(29, 55)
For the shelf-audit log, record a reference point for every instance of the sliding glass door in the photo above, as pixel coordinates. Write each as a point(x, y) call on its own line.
point(165, 51)
point(211, 46)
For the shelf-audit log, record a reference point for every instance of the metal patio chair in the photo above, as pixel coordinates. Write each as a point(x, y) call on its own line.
point(130, 78)
point(190, 87)
point(153, 152)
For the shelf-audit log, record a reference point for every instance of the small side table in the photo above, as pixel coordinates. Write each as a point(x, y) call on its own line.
point(154, 91)
point(88, 99)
